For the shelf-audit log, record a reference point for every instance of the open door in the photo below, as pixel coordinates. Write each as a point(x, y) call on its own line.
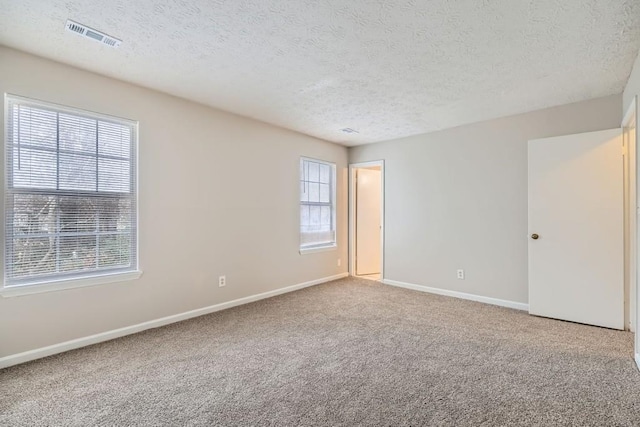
point(576, 240)
point(366, 220)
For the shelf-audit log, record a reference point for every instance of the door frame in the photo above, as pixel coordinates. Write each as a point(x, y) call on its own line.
point(631, 113)
point(352, 214)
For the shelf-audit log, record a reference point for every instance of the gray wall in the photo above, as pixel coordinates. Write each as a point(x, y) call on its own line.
point(458, 198)
point(218, 195)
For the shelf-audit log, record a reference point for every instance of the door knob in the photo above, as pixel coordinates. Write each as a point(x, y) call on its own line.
point(534, 236)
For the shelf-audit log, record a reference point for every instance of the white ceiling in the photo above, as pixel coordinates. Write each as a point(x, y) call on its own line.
point(387, 68)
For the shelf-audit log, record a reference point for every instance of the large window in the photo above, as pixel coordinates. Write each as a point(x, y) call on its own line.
point(70, 194)
point(317, 205)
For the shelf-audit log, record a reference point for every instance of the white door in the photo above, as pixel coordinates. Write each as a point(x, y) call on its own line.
point(576, 247)
point(368, 214)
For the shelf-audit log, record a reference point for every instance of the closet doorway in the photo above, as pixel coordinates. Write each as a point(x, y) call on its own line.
point(367, 220)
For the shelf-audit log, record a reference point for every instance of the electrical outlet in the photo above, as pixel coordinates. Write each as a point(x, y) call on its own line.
point(222, 281)
point(339, 262)
point(461, 274)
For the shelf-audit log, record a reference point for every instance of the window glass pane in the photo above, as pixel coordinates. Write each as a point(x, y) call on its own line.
point(325, 173)
point(34, 214)
point(33, 256)
point(77, 133)
point(115, 215)
point(33, 247)
point(304, 218)
point(304, 191)
point(314, 217)
point(78, 214)
point(314, 192)
point(35, 127)
point(325, 216)
point(115, 250)
point(324, 193)
point(33, 168)
point(114, 140)
point(114, 175)
point(314, 172)
point(77, 172)
point(77, 253)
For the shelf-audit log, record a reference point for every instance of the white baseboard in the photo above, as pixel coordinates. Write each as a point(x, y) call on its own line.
point(38, 353)
point(638, 360)
point(461, 295)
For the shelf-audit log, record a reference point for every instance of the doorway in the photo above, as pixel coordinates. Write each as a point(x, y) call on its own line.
point(366, 215)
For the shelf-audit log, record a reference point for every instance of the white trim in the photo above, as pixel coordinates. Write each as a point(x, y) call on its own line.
point(370, 164)
point(79, 282)
point(367, 278)
point(69, 109)
point(331, 247)
point(630, 115)
point(352, 214)
point(461, 295)
point(38, 353)
point(3, 182)
point(92, 278)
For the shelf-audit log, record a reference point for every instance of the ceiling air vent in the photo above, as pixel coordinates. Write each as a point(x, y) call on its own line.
point(349, 130)
point(92, 34)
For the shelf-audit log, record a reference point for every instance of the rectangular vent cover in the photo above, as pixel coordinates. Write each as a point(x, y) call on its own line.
point(92, 34)
point(349, 130)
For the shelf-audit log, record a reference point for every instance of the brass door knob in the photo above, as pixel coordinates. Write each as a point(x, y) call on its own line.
point(534, 236)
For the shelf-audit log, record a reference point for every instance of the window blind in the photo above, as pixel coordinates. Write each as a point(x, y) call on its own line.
point(70, 194)
point(317, 203)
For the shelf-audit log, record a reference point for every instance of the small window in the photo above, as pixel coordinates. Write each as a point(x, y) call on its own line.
point(317, 205)
point(70, 194)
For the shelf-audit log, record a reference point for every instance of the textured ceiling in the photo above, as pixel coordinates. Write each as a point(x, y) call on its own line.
point(387, 68)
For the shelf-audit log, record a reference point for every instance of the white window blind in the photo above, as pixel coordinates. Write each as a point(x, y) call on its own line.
point(317, 204)
point(70, 193)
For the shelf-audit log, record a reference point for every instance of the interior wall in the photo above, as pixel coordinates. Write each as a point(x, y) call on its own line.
point(218, 194)
point(457, 199)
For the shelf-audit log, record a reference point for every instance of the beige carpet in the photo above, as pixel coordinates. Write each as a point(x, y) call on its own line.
point(350, 352)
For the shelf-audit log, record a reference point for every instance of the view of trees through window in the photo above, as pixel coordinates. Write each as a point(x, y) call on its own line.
point(70, 202)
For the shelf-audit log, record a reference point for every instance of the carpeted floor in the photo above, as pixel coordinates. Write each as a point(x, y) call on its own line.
point(350, 352)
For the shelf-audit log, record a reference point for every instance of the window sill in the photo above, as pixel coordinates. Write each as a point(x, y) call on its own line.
point(332, 247)
point(20, 290)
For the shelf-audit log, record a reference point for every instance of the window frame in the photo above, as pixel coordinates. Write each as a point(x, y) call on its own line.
point(333, 185)
point(69, 280)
